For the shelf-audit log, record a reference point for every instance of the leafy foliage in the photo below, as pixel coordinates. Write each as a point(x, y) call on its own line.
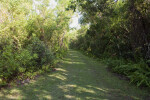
point(137, 73)
point(118, 30)
point(44, 55)
point(32, 35)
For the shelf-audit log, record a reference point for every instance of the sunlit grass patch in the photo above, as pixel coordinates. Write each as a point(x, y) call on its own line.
point(82, 89)
point(70, 97)
point(48, 97)
point(59, 76)
point(61, 69)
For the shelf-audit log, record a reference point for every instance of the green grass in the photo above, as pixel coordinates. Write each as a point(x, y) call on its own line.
point(77, 78)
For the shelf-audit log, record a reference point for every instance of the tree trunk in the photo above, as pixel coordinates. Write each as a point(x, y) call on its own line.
point(138, 35)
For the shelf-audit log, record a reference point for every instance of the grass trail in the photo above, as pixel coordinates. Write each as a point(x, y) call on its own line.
point(77, 78)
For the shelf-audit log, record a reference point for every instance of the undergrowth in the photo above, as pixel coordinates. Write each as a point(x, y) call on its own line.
point(137, 72)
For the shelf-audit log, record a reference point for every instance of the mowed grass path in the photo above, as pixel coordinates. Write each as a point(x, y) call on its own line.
point(77, 77)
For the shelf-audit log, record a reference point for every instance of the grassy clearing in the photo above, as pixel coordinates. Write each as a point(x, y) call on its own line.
point(77, 78)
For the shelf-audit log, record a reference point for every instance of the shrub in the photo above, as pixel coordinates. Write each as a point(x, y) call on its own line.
point(44, 54)
point(14, 62)
point(141, 74)
point(31, 58)
point(138, 73)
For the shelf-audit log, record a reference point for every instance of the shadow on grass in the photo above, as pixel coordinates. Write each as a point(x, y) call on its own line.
point(73, 80)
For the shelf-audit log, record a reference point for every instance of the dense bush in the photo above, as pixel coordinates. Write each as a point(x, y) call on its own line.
point(13, 62)
point(44, 54)
point(119, 31)
point(32, 35)
point(138, 73)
